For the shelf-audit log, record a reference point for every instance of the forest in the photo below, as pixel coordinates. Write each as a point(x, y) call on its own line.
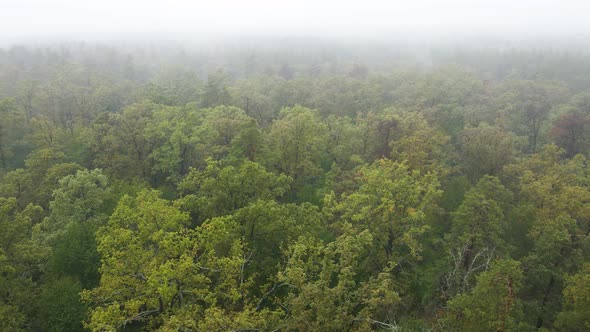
point(294, 187)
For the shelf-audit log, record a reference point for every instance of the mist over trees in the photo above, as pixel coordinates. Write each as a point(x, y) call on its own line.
point(294, 184)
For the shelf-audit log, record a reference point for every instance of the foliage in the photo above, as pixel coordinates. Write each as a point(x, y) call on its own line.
point(493, 304)
point(335, 189)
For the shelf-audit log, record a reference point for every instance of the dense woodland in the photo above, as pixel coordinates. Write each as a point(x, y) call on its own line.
point(295, 187)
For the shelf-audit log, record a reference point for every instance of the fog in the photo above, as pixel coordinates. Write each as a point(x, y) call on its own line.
point(34, 21)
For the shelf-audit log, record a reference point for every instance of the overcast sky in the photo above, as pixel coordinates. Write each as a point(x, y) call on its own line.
point(39, 20)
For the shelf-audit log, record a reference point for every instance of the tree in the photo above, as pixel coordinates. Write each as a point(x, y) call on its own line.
point(76, 212)
point(575, 315)
point(401, 134)
point(559, 199)
point(422, 146)
point(485, 150)
point(250, 144)
point(358, 71)
point(129, 130)
point(158, 274)
point(26, 94)
point(493, 304)
point(61, 306)
point(569, 133)
point(217, 191)
point(377, 134)
point(20, 260)
point(78, 199)
point(299, 138)
point(530, 102)
point(477, 234)
point(220, 126)
point(120, 144)
point(12, 130)
point(266, 227)
point(255, 96)
point(392, 202)
point(286, 72)
point(174, 86)
point(36, 182)
point(348, 96)
point(299, 143)
point(178, 143)
point(556, 252)
point(343, 142)
point(215, 92)
point(329, 290)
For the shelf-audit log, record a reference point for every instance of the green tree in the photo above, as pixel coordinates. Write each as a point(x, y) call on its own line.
point(330, 290)
point(215, 92)
point(61, 307)
point(479, 228)
point(392, 202)
point(217, 190)
point(300, 140)
point(12, 130)
point(299, 143)
point(221, 125)
point(178, 144)
point(570, 132)
point(493, 305)
point(344, 142)
point(485, 150)
point(575, 315)
point(266, 227)
point(251, 144)
point(36, 182)
point(422, 146)
point(555, 192)
point(529, 102)
point(158, 274)
point(401, 134)
point(556, 252)
point(20, 262)
point(119, 142)
point(173, 85)
point(76, 212)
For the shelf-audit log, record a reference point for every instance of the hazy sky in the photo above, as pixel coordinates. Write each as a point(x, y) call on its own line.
point(38, 20)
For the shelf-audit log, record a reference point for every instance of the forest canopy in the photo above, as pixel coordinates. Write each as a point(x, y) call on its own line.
point(297, 187)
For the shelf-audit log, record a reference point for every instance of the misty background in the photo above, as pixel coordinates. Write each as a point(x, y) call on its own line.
point(35, 21)
point(139, 40)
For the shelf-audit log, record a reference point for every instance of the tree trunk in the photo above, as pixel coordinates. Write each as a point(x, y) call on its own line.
point(544, 302)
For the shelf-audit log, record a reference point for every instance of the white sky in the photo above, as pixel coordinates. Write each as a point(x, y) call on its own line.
point(37, 20)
